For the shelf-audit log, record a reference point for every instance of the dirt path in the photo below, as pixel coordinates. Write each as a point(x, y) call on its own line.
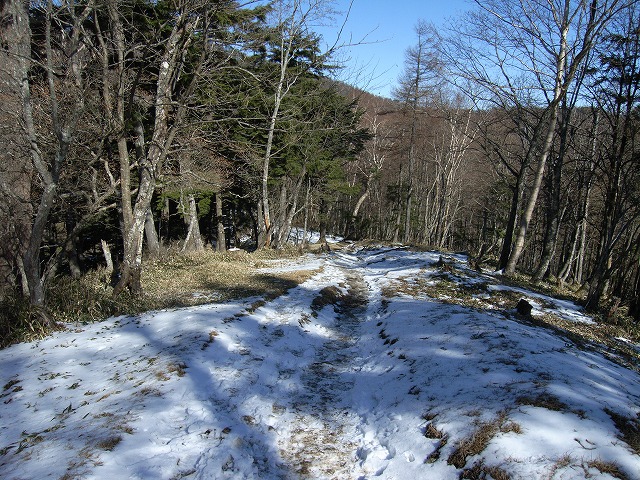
point(317, 448)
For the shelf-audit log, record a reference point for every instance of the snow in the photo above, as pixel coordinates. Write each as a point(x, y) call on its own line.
point(300, 388)
point(297, 235)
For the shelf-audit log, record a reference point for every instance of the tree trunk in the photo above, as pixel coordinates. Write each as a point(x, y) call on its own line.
point(518, 247)
point(307, 206)
point(193, 242)
point(407, 218)
point(288, 209)
point(221, 240)
point(553, 223)
point(322, 214)
point(106, 251)
point(565, 269)
point(398, 220)
point(266, 214)
point(352, 231)
point(278, 224)
point(151, 235)
point(63, 129)
point(16, 168)
point(634, 306)
point(72, 246)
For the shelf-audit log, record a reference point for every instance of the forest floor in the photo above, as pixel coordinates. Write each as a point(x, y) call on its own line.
point(374, 363)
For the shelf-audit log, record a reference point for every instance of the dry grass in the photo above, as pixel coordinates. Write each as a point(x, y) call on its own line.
point(563, 462)
point(480, 471)
point(473, 444)
point(20, 322)
point(431, 431)
point(609, 468)
point(172, 281)
point(543, 400)
point(109, 443)
point(511, 427)
point(198, 278)
point(629, 429)
point(327, 296)
point(477, 441)
point(178, 368)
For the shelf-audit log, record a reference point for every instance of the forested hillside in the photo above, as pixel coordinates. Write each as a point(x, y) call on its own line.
point(129, 126)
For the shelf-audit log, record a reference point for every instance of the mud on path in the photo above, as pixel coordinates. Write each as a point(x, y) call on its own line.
point(323, 420)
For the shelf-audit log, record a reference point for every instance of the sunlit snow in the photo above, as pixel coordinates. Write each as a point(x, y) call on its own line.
point(344, 392)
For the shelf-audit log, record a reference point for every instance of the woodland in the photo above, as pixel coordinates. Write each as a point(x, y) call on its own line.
point(131, 125)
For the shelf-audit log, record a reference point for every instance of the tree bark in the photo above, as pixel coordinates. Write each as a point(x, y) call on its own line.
point(16, 169)
point(353, 232)
point(193, 242)
point(151, 235)
point(221, 240)
point(507, 242)
point(63, 127)
point(106, 251)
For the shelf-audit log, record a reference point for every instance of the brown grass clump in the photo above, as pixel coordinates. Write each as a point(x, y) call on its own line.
point(608, 468)
point(473, 444)
point(327, 296)
point(511, 427)
point(178, 368)
point(109, 443)
point(563, 462)
point(435, 455)
point(480, 471)
point(432, 432)
point(477, 441)
point(629, 429)
point(544, 400)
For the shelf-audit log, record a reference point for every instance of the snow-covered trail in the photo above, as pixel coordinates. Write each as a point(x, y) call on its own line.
point(354, 374)
point(320, 442)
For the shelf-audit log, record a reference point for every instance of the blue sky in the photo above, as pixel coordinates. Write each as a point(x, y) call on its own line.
point(388, 29)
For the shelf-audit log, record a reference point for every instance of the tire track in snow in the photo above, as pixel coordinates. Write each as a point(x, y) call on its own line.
point(317, 447)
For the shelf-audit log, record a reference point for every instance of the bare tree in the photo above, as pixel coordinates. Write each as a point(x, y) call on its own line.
point(369, 165)
point(63, 54)
point(422, 65)
point(296, 53)
point(527, 54)
point(450, 148)
point(16, 169)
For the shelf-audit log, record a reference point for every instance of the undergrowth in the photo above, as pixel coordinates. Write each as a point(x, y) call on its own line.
point(174, 280)
point(20, 322)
